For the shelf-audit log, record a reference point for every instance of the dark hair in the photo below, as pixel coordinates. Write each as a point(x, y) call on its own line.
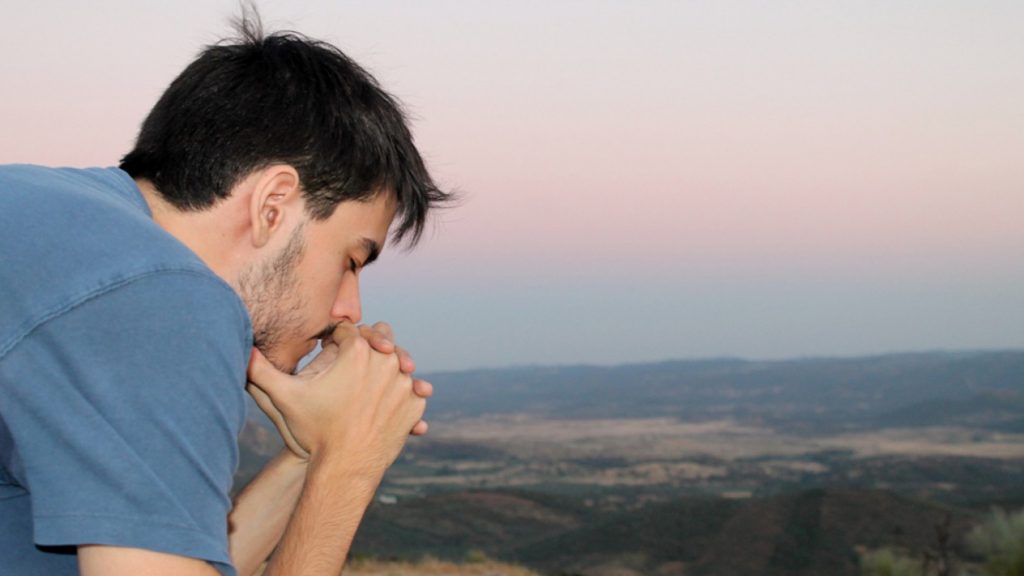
point(257, 100)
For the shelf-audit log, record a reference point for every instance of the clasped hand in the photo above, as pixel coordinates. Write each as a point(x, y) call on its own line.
point(356, 397)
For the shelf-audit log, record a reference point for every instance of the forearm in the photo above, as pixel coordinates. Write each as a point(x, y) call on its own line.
point(262, 510)
point(320, 532)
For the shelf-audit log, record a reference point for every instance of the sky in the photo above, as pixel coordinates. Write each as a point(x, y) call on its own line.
point(640, 180)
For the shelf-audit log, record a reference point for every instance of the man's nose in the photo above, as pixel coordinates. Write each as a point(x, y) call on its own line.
point(346, 304)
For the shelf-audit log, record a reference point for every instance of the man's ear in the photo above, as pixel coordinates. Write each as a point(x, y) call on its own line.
point(276, 197)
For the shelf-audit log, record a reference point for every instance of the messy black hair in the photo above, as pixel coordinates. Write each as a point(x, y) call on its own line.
point(257, 100)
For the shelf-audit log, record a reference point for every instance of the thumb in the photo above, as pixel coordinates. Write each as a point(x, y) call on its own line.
point(264, 375)
point(345, 331)
point(266, 404)
point(265, 383)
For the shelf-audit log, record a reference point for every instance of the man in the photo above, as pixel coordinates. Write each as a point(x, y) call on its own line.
point(262, 183)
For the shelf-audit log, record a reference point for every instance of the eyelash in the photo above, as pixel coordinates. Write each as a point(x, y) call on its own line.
point(353, 265)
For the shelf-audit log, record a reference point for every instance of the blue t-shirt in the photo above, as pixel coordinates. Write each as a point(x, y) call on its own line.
point(122, 372)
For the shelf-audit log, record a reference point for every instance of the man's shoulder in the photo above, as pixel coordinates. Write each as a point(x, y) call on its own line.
point(27, 186)
point(72, 235)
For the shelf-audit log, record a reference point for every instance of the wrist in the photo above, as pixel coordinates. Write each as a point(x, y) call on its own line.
point(358, 478)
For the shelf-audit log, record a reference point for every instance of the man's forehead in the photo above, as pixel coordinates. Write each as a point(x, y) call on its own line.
point(361, 225)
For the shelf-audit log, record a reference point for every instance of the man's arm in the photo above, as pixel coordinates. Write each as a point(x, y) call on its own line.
point(126, 415)
point(114, 561)
point(353, 418)
point(353, 408)
point(262, 510)
point(320, 532)
point(255, 526)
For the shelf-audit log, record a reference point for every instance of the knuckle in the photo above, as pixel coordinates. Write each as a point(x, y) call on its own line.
point(405, 382)
point(391, 362)
point(358, 345)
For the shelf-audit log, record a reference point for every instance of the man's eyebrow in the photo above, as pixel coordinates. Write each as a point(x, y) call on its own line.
point(372, 250)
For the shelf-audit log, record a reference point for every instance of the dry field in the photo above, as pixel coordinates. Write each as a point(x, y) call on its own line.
point(667, 439)
point(661, 451)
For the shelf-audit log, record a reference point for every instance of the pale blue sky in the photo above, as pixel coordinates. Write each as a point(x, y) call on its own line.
point(643, 180)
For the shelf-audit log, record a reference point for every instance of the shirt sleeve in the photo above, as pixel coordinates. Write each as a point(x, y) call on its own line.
point(125, 412)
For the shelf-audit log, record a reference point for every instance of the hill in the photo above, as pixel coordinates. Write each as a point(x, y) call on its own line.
point(807, 533)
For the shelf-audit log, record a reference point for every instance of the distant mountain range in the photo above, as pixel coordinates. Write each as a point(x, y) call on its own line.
point(912, 389)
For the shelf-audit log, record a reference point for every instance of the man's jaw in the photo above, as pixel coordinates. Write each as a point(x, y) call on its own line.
point(272, 353)
point(286, 367)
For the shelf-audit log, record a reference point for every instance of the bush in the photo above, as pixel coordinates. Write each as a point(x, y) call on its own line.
point(885, 562)
point(476, 556)
point(1000, 540)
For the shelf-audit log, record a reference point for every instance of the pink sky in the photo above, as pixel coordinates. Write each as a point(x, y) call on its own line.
point(732, 177)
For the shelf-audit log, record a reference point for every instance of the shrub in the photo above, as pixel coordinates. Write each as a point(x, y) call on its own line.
point(1000, 540)
point(476, 556)
point(885, 562)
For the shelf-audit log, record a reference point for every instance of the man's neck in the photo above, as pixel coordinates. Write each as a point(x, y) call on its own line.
point(205, 232)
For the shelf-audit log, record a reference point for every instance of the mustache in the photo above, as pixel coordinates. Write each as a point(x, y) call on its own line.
point(326, 333)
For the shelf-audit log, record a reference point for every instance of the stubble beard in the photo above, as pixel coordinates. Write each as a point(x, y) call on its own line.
point(270, 291)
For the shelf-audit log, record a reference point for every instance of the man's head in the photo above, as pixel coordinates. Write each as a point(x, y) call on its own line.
point(307, 279)
point(299, 127)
